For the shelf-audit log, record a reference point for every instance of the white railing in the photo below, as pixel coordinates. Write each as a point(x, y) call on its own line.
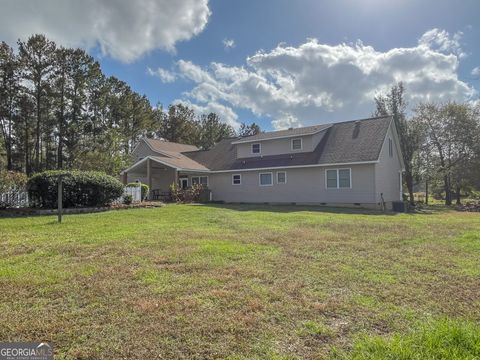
point(14, 198)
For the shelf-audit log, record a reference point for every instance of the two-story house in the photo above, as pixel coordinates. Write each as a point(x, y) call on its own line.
point(353, 163)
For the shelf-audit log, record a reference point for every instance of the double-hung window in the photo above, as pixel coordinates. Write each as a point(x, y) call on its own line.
point(338, 178)
point(202, 180)
point(265, 179)
point(281, 177)
point(236, 179)
point(297, 144)
point(256, 148)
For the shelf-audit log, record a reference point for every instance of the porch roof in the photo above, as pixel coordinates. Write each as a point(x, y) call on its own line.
point(180, 163)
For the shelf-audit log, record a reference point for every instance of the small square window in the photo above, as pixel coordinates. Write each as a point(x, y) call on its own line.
point(281, 177)
point(297, 144)
point(266, 179)
point(256, 148)
point(332, 179)
point(236, 179)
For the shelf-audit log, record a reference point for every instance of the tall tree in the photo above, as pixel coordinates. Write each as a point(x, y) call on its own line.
point(36, 57)
point(454, 133)
point(212, 130)
point(9, 92)
point(249, 130)
point(393, 103)
point(180, 125)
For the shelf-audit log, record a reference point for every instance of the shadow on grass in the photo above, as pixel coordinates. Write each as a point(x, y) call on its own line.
point(284, 208)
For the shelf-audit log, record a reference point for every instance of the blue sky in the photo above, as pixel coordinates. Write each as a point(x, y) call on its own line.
point(288, 63)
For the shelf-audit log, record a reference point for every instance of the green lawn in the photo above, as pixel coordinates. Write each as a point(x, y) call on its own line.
point(243, 282)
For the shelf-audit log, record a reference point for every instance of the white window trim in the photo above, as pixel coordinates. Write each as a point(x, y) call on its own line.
point(260, 176)
point(180, 180)
point(278, 172)
point(301, 144)
point(259, 148)
point(233, 176)
point(338, 179)
point(198, 177)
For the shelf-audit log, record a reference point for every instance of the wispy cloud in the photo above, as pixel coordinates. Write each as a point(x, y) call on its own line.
point(228, 43)
point(164, 75)
point(476, 71)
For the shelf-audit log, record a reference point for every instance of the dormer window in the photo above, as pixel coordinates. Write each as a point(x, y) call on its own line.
point(297, 144)
point(256, 148)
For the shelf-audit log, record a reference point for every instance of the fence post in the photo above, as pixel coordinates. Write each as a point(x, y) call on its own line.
point(60, 199)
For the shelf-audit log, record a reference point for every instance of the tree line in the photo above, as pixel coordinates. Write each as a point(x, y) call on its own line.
point(440, 143)
point(59, 111)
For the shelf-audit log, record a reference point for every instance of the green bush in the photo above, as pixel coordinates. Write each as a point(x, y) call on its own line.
point(80, 188)
point(145, 188)
point(127, 199)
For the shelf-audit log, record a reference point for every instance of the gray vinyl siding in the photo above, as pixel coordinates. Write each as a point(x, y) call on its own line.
point(304, 185)
point(387, 178)
point(142, 151)
point(279, 146)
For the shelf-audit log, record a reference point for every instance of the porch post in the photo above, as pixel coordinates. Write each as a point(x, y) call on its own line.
point(125, 178)
point(149, 176)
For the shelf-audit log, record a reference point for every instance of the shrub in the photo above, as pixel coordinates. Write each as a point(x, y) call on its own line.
point(189, 195)
point(127, 199)
point(145, 188)
point(80, 188)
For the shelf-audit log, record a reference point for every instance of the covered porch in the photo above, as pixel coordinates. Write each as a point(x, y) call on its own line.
point(159, 176)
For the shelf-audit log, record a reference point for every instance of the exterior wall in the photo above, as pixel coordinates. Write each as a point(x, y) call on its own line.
point(387, 172)
point(304, 186)
point(279, 146)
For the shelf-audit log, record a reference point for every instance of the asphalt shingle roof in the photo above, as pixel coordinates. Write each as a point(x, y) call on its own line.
point(307, 130)
point(344, 142)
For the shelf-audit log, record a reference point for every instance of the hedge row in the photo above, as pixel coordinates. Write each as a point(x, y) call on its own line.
point(80, 188)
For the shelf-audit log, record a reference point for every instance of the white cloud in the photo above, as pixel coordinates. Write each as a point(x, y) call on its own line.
point(228, 44)
point(164, 75)
point(316, 82)
point(442, 41)
point(476, 71)
point(123, 29)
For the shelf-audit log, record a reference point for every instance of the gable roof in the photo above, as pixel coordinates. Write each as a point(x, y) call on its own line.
point(308, 130)
point(357, 141)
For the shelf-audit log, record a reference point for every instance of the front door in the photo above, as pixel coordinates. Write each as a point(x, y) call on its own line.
point(183, 183)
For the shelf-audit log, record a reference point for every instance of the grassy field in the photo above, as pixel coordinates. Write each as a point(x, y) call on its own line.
point(243, 282)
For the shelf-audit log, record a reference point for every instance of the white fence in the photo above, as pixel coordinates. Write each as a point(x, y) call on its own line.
point(14, 198)
point(136, 192)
